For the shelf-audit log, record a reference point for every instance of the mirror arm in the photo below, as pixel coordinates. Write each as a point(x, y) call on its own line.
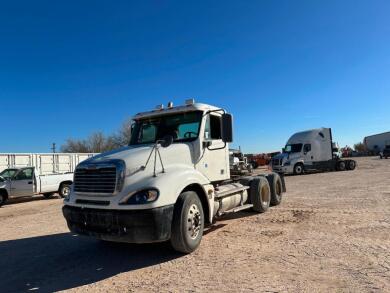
point(212, 111)
point(221, 148)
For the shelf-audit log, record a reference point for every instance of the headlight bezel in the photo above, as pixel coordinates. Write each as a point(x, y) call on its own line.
point(139, 197)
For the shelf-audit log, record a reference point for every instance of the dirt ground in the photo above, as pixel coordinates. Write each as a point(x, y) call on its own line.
point(330, 234)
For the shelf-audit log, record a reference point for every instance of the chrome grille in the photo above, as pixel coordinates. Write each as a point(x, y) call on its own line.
point(95, 180)
point(276, 162)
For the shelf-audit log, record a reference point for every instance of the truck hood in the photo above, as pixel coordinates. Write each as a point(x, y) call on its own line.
point(286, 156)
point(136, 157)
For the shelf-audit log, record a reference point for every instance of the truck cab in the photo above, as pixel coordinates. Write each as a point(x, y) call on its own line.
point(311, 150)
point(169, 182)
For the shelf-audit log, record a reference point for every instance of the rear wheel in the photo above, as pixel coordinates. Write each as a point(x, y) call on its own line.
point(64, 190)
point(260, 194)
point(351, 165)
point(341, 166)
point(298, 169)
point(276, 187)
point(187, 223)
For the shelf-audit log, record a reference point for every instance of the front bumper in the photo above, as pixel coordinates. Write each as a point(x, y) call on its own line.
point(133, 226)
point(282, 169)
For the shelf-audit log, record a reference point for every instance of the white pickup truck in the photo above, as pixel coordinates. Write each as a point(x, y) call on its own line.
point(169, 183)
point(25, 175)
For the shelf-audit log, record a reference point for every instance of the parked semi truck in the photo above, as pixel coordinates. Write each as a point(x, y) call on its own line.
point(311, 150)
point(23, 175)
point(169, 183)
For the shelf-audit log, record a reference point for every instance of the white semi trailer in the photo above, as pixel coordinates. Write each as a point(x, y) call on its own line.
point(311, 150)
point(23, 175)
point(169, 183)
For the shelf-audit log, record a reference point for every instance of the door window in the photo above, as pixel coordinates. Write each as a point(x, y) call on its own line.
point(25, 174)
point(213, 127)
point(307, 148)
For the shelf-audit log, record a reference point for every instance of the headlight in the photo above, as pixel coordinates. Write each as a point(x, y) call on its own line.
point(141, 197)
point(288, 163)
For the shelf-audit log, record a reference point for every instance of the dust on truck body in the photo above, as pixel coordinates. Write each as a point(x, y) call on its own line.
point(310, 150)
point(169, 183)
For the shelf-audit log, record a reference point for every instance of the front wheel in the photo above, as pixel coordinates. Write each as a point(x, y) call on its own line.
point(64, 190)
point(298, 169)
point(187, 223)
point(3, 199)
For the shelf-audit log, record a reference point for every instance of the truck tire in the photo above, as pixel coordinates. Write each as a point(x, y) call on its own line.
point(351, 165)
point(3, 198)
point(341, 166)
point(48, 195)
point(260, 194)
point(276, 187)
point(254, 164)
point(298, 169)
point(246, 181)
point(187, 223)
point(64, 190)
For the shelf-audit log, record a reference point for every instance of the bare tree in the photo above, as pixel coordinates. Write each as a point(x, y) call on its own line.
point(122, 137)
point(360, 147)
point(97, 142)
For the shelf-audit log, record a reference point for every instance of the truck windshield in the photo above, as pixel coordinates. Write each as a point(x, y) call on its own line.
point(183, 127)
point(8, 173)
point(293, 148)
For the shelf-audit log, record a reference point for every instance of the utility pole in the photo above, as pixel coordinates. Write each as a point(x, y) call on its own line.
point(53, 148)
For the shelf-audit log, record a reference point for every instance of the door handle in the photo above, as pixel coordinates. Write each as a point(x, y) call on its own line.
point(30, 182)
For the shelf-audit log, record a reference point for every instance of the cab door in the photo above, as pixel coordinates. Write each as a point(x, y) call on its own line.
point(308, 154)
point(22, 184)
point(215, 159)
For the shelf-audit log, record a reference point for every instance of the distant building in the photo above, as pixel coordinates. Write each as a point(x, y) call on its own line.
point(377, 142)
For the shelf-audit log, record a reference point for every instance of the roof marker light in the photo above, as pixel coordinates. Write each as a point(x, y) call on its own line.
point(160, 107)
point(170, 104)
point(190, 102)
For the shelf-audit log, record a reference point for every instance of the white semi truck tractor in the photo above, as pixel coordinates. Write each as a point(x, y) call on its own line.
point(308, 151)
point(169, 183)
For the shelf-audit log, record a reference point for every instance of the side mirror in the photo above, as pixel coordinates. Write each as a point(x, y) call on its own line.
point(166, 141)
point(227, 127)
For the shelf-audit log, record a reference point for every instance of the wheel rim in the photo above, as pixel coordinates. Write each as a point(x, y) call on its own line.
point(342, 166)
point(352, 164)
point(298, 169)
point(265, 196)
point(194, 221)
point(66, 190)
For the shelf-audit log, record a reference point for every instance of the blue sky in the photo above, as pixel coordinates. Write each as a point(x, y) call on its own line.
point(73, 67)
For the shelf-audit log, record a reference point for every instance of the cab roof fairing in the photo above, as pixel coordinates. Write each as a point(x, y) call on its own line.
point(175, 110)
point(306, 136)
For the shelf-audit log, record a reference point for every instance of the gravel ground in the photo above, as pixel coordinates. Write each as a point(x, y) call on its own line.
point(330, 234)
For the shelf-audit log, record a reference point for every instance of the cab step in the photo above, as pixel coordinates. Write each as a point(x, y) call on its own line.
point(239, 208)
